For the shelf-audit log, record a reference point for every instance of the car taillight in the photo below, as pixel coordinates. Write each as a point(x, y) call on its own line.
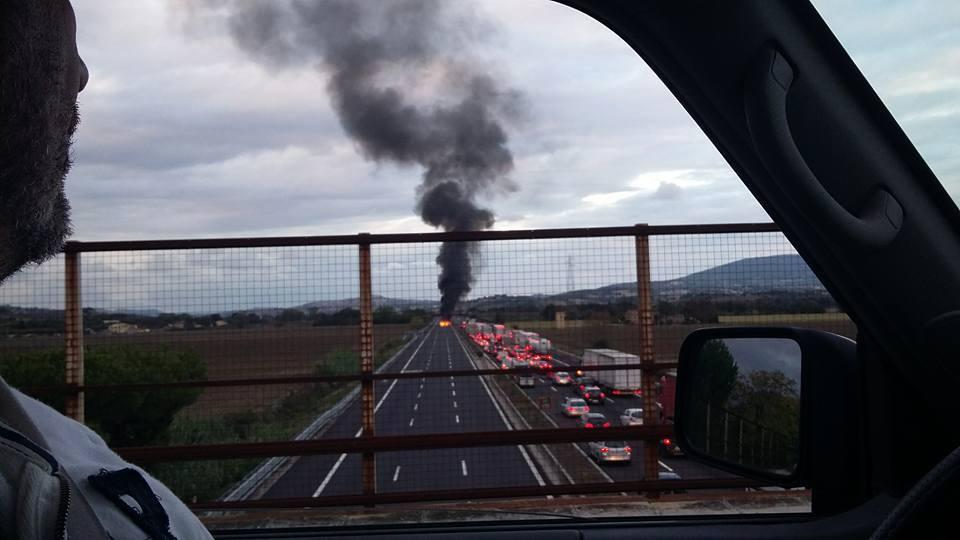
point(588, 425)
point(606, 424)
point(602, 395)
point(627, 449)
point(604, 450)
point(666, 442)
point(570, 409)
point(638, 392)
point(586, 396)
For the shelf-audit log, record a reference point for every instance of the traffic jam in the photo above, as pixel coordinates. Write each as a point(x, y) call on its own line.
point(595, 401)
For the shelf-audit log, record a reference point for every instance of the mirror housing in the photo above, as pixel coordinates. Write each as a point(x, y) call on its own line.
point(830, 453)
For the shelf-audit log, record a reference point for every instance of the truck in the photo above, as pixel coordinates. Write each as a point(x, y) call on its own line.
point(526, 339)
point(542, 346)
point(668, 392)
point(499, 331)
point(617, 382)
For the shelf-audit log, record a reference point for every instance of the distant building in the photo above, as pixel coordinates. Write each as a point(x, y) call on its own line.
point(632, 316)
point(220, 323)
point(123, 328)
point(560, 319)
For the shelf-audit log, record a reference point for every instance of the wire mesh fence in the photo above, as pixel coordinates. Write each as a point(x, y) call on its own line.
point(224, 346)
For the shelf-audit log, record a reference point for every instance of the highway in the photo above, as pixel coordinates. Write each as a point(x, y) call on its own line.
point(415, 407)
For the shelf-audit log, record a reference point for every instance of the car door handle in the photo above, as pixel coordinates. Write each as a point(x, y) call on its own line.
point(767, 85)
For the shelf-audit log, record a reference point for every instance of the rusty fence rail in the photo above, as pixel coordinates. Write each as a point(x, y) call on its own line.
point(642, 329)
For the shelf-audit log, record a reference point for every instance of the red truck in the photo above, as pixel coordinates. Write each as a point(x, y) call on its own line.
point(668, 393)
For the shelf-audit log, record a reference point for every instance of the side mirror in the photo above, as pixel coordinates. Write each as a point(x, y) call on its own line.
point(774, 404)
point(744, 403)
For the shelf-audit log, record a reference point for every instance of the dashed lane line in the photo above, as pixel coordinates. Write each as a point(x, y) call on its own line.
point(396, 473)
point(340, 460)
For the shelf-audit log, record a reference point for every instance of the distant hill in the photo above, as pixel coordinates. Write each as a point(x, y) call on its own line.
point(333, 306)
point(775, 273)
point(755, 275)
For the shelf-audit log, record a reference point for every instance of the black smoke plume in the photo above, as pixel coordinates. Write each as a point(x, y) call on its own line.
point(383, 60)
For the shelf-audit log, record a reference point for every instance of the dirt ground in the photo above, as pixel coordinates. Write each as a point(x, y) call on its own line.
point(256, 352)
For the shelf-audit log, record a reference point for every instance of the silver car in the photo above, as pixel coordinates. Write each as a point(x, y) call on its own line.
point(611, 452)
point(631, 417)
point(572, 406)
point(562, 378)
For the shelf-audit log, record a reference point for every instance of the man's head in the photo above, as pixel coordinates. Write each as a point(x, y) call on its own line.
point(41, 74)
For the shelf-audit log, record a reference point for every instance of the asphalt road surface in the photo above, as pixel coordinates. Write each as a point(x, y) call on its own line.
point(415, 407)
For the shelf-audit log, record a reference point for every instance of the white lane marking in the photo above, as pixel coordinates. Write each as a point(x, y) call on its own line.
point(421, 387)
point(396, 473)
point(554, 388)
point(418, 395)
point(451, 377)
point(457, 417)
point(422, 379)
point(411, 422)
point(452, 384)
point(665, 466)
point(340, 460)
point(454, 392)
point(463, 465)
point(454, 404)
point(503, 417)
point(329, 476)
point(416, 406)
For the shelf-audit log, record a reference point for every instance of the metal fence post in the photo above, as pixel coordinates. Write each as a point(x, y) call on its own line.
point(648, 375)
point(369, 466)
point(726, 431)
point(73, 343)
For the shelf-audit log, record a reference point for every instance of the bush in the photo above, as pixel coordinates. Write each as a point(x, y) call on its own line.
point(122, 417)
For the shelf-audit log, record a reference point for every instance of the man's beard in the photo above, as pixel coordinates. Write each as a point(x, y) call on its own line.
point(33, 201)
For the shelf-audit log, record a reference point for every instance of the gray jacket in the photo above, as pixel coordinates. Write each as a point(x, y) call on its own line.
point(58, 479)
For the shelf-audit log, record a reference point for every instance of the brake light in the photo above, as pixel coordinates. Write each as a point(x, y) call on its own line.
point(666, 442)
point(628, 449)
point(604, 450)
point(638, 392)
point(570, 409)
point(588, 425)
point(602, 395)
point(587, 395)
point(606, 424)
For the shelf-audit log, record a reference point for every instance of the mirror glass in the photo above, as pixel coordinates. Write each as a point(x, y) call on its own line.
point(745, 403)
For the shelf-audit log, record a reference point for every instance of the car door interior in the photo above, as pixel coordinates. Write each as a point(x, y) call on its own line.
point(777, 94)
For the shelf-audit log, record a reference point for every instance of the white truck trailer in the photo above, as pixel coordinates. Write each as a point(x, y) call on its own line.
point(542, 346)
point(618, 382)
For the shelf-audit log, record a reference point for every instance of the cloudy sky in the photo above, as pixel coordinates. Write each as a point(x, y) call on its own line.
point(184, 136)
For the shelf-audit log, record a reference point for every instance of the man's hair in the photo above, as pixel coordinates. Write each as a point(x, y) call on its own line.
point(37, 121)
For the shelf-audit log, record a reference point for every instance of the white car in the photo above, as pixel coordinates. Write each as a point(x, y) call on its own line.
point(631, 417)
point(611, 451)
point(572, 406)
